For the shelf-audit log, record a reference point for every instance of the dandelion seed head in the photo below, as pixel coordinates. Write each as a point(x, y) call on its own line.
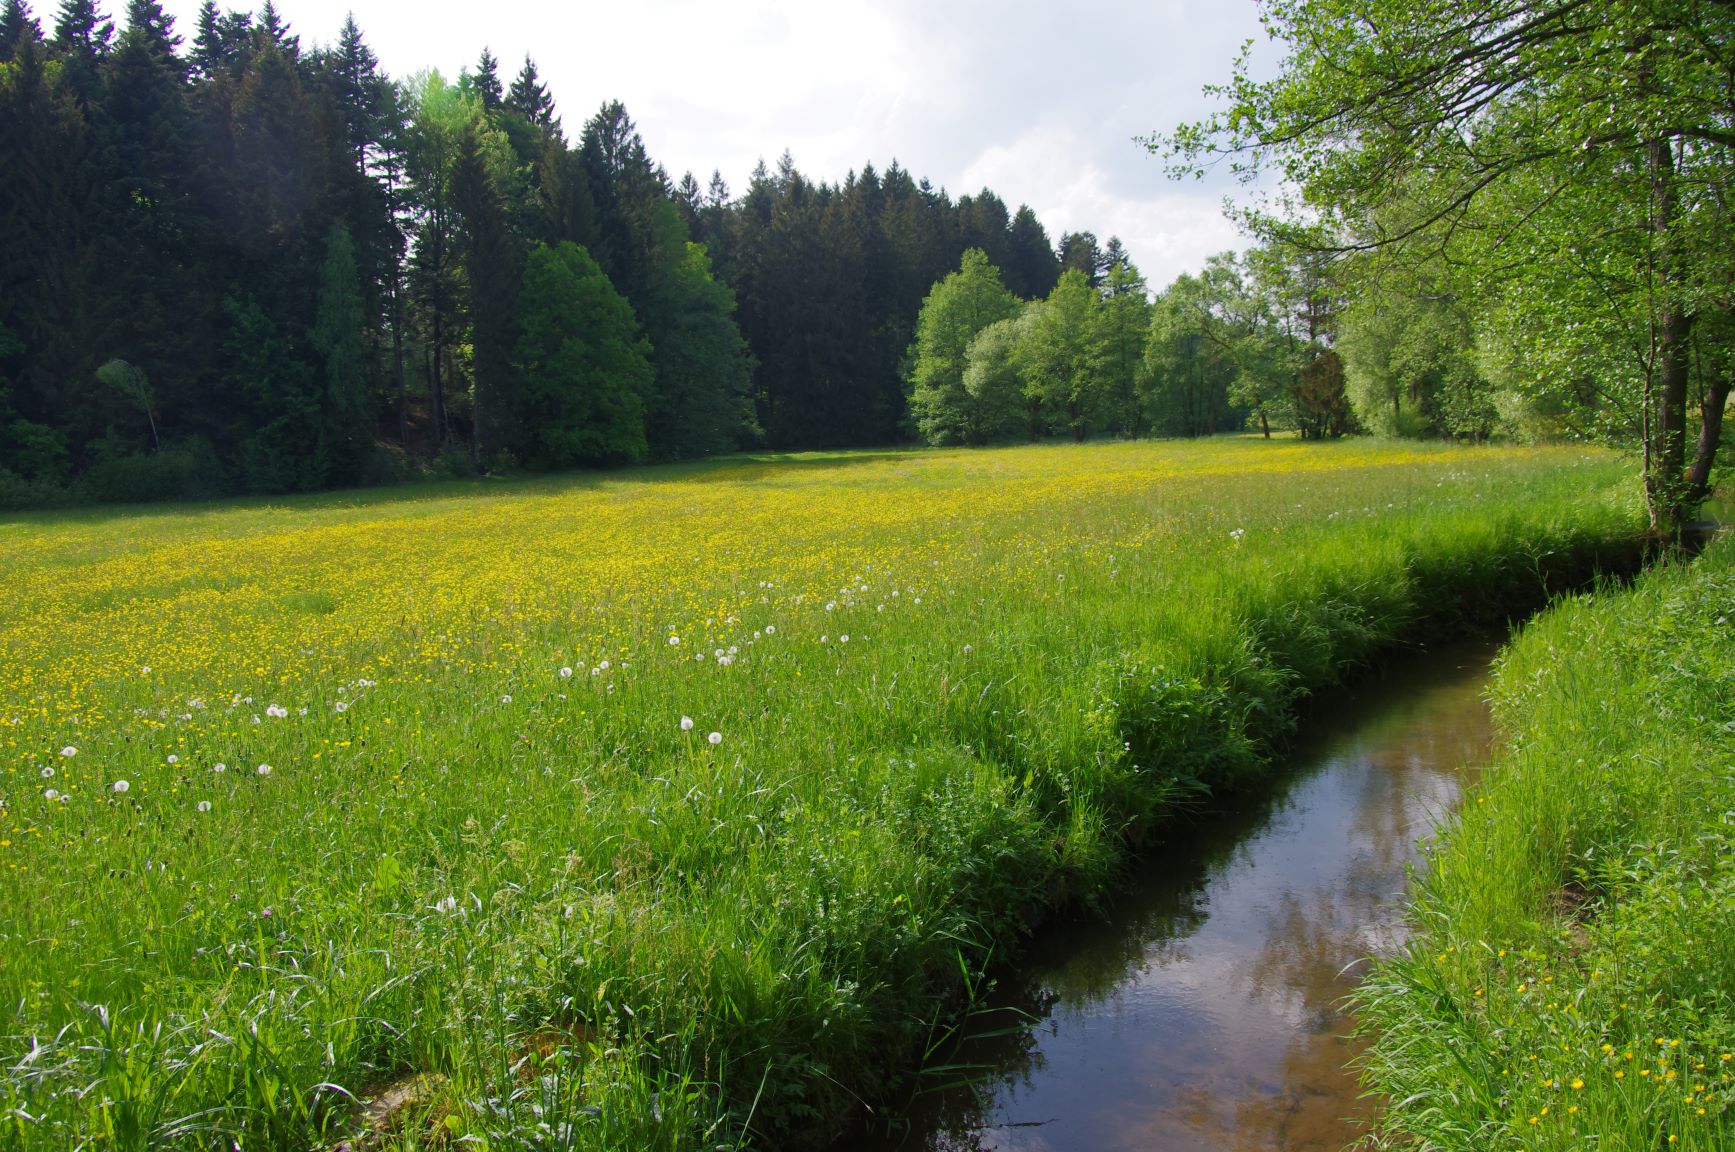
point(120, 785)
point(686, 723)
point(715, 738)
point(204, 805)
point(69, 751)
point(263, 770)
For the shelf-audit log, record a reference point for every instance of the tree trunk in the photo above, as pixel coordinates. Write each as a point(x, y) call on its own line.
point(1710, 437)
point(1264, 424)
point(436, 395)
point(398, 359)
point(1664, 480)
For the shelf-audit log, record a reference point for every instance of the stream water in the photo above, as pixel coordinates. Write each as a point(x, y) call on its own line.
point(1205, 1012)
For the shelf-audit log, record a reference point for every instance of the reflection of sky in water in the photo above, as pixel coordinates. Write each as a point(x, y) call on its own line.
point(1203, 1016)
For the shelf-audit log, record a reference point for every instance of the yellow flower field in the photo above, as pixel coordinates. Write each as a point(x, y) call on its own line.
point(692, 787)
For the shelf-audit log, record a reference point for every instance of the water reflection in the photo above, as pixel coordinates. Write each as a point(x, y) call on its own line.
point(1204, 1013)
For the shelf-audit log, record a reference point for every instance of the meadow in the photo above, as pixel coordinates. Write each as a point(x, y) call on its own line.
point(666, 809)
point(1572, 980)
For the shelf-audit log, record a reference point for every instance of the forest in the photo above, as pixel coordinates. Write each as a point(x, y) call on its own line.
point(238, 263)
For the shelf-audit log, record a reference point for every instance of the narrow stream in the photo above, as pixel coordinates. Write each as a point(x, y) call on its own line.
point(1205, 1012)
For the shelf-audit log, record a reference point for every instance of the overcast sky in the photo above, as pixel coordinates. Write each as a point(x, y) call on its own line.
point(1038, 101)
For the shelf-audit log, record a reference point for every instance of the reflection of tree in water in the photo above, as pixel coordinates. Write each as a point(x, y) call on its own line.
point(1077, 966)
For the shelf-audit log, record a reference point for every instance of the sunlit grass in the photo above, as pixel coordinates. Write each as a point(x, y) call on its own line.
point(1573, 980)
point(943, 687)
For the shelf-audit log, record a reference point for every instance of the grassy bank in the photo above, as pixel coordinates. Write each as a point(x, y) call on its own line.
point(654, 810)
point(1572, 980)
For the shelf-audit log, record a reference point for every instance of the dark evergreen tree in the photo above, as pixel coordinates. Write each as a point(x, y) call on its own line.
point(16, 26)
point(529, 98)
point(1080, 252)
point(1031, 268)
point(81, 39)
point(487, 82)
point(493, 265)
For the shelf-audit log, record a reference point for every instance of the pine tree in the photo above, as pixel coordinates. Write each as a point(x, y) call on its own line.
point(154, 31)
point(271, 28)
point(1031, 265)
point(487, 81)
point(1080, 252)
point(16, 26)
point(358, 88)
point(529, 99)
point(492, 267)
point(207, 54)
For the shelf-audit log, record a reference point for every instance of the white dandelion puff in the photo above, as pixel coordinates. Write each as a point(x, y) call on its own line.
point(686, 723)
point(844, 639)
point(120, 785)
point(174, 759)
point(506, 699)
point(50, 794)
point(69, 751)
point(342, 706)
point(48, 773)
point(771, 629)
point(674, 640)
point(204, 805)
point(715, 738)
point(566, 673)
point(219, 767)
point(263, 770)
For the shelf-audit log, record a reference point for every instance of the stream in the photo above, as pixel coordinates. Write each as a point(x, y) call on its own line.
point(1204, 1012)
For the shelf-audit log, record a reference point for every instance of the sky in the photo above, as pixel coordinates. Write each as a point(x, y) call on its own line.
point(1038, 101)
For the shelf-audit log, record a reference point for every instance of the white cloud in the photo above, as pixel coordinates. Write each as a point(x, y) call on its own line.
point(1038, 100)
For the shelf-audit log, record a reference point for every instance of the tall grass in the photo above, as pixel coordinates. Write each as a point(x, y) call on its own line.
point(1572, 980)
point(417, 846)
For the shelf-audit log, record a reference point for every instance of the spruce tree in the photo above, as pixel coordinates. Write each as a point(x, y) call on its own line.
point(529, 98)
point(491, 264)
point(16, 26)
point(487, 82)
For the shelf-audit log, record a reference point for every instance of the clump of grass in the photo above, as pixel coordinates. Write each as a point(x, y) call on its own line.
point(657, 810)
point(1572, 974)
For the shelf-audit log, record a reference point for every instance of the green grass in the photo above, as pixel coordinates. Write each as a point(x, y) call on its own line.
point(586, 926)
point(1571, 982)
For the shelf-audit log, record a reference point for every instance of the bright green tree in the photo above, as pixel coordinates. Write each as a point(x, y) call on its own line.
point(957, 308)
point(1124, 328)
point(584, 369)
point(1061, 358)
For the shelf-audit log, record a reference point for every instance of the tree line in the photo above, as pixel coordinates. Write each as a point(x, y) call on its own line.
point(237, 263)
point(1248, 340)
